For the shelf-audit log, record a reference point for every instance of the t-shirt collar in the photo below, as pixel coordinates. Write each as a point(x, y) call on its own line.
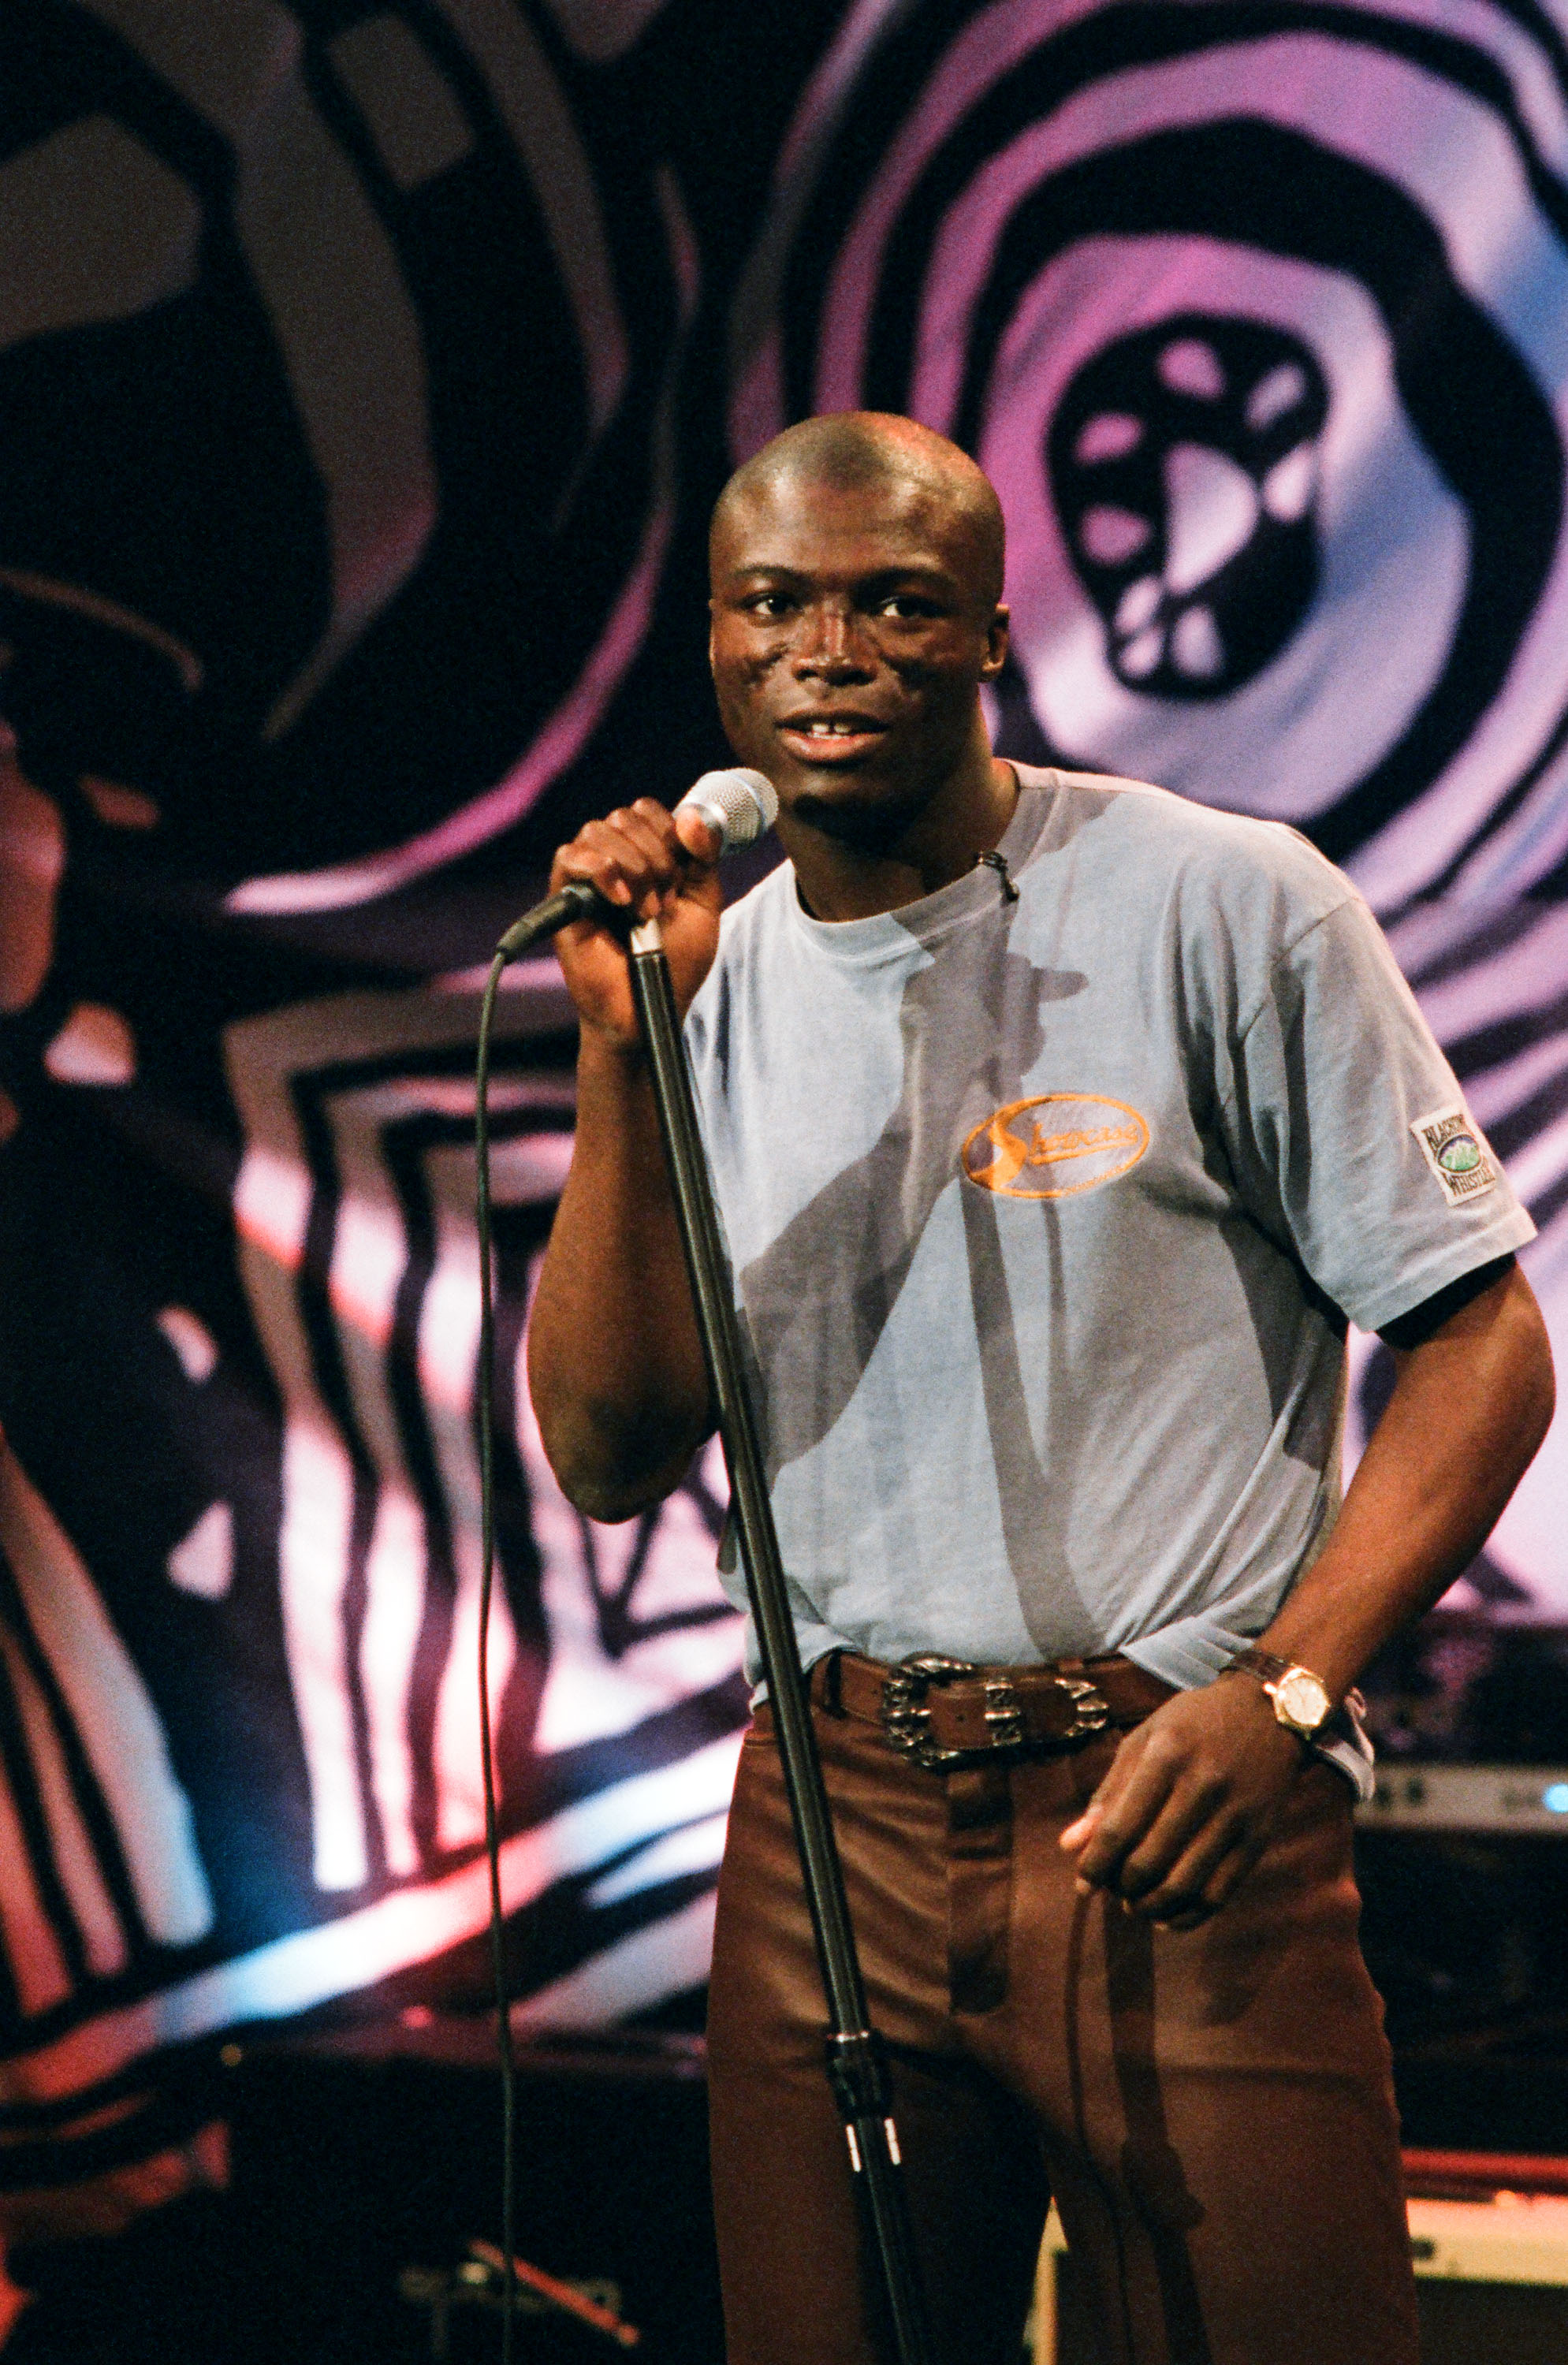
point(920, 925)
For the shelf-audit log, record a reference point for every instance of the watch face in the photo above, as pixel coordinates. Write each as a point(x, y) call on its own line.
point(1301, 1699)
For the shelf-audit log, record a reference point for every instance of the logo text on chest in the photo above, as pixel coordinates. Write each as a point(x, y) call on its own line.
point(1053, 1144)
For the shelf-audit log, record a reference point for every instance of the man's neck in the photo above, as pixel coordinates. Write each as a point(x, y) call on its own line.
point(839, 880)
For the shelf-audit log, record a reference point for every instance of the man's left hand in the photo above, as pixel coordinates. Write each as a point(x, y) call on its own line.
point(1188, 1805)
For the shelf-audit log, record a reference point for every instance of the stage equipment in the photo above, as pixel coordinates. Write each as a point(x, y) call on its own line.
point(1469, 1799)
point(390, 2127)
point(854, 2064)
point(1488, 2241)
point(480, 2280)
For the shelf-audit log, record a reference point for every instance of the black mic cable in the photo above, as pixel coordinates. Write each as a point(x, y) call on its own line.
point(738, 806)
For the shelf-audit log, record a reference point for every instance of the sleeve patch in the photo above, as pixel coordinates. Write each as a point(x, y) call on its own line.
point(1458, 1153)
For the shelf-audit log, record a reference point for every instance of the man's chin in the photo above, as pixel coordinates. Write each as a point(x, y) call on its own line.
point(856, 812)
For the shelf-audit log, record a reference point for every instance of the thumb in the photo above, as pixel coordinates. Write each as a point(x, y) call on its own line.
point(1078, 1835)
point(699, 838)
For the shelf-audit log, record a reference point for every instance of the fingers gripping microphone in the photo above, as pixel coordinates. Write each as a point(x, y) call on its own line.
point(738, 806)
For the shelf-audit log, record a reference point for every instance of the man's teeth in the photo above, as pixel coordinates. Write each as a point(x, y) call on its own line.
point(834, 730)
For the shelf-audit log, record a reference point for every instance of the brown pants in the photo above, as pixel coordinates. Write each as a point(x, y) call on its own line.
point(1213, 2111)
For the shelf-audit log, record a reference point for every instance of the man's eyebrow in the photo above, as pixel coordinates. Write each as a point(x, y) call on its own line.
point(887, 578)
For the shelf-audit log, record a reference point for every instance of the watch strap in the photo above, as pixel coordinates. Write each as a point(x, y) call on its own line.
point(1264, 1665)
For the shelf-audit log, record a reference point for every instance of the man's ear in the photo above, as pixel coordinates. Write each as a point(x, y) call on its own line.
point(996, 644)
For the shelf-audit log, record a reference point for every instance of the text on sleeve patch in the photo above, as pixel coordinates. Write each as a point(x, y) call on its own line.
point(1458, 1153)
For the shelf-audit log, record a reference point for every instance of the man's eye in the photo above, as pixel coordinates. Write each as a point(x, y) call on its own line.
point(907, 607)
point(770, 603)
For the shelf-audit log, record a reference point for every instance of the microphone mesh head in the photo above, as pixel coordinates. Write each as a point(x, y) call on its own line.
point(739, 804)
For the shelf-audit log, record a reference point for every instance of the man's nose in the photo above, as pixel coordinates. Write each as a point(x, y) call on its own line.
point(832, 644)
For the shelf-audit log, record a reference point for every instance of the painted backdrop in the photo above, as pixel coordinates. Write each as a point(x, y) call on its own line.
point(367, 373)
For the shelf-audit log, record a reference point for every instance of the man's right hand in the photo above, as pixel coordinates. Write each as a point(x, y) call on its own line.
point(614, 1360)
point(647, 863)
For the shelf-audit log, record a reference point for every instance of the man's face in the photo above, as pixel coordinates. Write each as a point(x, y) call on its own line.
point(850, 632)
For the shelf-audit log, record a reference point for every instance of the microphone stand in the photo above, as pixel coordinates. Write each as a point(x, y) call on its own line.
point(854, 2062)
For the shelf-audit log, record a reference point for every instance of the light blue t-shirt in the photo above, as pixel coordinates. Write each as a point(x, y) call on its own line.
point(1044, 1216)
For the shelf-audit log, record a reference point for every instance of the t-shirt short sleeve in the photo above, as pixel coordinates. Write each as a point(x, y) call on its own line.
point(1350, 1133)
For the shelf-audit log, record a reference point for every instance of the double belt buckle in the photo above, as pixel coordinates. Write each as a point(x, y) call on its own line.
point(907, 1721)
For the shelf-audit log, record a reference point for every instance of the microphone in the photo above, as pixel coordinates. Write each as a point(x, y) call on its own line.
point(738, 806)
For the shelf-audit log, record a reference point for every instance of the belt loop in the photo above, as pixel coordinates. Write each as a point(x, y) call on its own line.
point(831, 1691)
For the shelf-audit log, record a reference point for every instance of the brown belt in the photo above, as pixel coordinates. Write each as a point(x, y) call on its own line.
point(945, 1712)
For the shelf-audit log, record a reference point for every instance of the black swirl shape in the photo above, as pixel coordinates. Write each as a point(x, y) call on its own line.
point(1240, 401)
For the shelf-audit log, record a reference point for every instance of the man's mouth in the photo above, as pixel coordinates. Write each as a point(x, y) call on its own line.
point(840, 736)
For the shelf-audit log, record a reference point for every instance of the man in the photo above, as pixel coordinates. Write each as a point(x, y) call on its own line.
point(1057, 1126)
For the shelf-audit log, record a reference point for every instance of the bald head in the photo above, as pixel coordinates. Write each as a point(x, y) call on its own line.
point(855, 451)
point(855, 620)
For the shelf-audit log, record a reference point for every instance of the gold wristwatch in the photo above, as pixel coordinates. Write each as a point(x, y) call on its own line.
point(1301, 1699)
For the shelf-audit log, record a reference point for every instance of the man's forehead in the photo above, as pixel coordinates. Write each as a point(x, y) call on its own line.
point(804, 525)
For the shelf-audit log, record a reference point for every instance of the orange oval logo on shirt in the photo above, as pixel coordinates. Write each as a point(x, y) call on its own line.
point(1053, 1144)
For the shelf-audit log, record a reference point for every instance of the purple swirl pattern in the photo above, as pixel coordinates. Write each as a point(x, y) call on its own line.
point(1258, 321)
